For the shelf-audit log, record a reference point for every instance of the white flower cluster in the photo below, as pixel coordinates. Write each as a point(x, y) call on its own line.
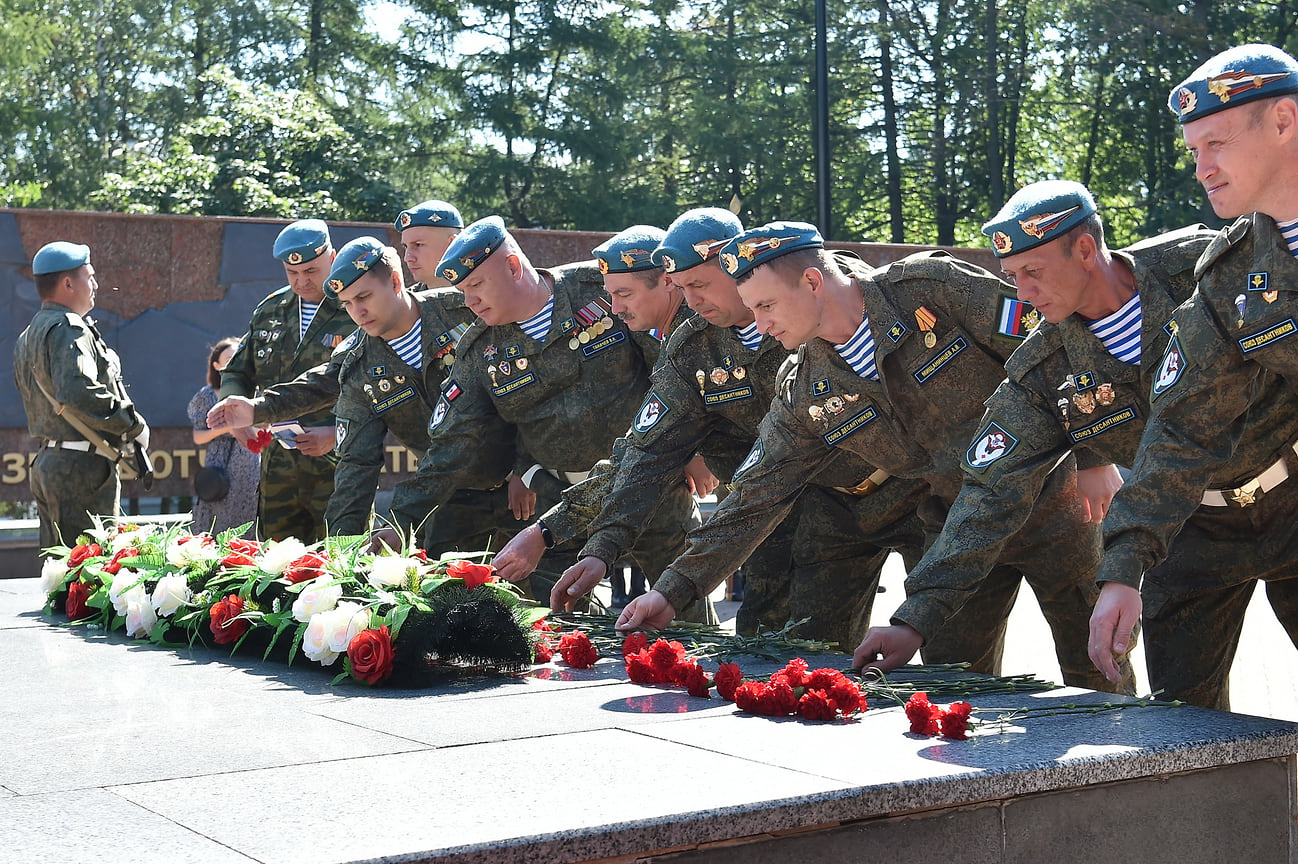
point(278, 555)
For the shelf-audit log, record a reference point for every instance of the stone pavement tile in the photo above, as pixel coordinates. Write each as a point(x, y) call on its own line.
point(94, 825)
point(518, 801)
point(20, 603)
point(6, 793)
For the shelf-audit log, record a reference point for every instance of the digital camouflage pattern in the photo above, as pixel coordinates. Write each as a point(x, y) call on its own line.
point(295, 488)
point(65, 353)
point(1220, 418)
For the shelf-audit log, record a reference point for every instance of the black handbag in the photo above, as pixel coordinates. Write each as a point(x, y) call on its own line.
point(211, 484)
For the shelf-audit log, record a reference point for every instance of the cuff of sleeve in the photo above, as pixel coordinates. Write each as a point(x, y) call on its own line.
point(602, 547)
point(679, 591)
point(1121, 564)
point(560, 522)
point(924, 618)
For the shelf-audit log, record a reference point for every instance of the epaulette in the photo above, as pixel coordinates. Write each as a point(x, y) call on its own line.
point(685, 331)
point(1222, 243)
point(788, 372)
point(1040, 344)
point(932, 264)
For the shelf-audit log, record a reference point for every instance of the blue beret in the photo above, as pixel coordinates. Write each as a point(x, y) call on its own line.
point(471, 247)
point(434, 213)
point(630, 250)
point(760, 245)
point(1037, 214)
point(694, 237)
point(1234, 77)
point(59, 256)
point(303, 241)
point(352, 262)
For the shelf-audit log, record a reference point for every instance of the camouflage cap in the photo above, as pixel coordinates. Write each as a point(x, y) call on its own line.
point(433, 213)
point(302, 241)
point(696, 236)
point(1037, 214)
point(471, 247)
point(1234, 77)
point(629, 250)
point(760, 245)
point(59, 256)
point(352, 262)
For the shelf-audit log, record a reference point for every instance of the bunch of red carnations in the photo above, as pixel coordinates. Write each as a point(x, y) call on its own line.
point(929, 719)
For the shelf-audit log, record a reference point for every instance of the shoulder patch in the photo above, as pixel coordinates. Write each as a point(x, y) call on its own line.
point(752, 459)
point(1016, 318)
point(653, 410)
point(1170, 368)
point(992, 443)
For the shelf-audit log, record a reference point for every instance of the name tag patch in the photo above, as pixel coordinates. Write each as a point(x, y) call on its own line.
point(945, 356)
point(608, 341)
point(1104, 424)
point(510, 386)
point(394, 399)
point(833, 436)
point(744, 392)
point(1283, 330)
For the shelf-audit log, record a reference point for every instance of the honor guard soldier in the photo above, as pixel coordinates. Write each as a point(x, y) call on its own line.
point(545, 377)
point(1079, 382)
point(72, 391)
point(293, 330)
point(894, 366)
point(1219, 440)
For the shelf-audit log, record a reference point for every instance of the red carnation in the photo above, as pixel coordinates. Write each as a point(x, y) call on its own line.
point(729, 677)
point(780, 699)
point(847, 696)
point(78, 594)
point(306, 568)
point(665, 655)
point(634, 644)
point(420, 554)
point(240, 544)
point(695, 679)
point(640, 668)
point(815, 705)
point(795, 672)
point(370, 655)
point(260, 441)
point(472, 574)
point(542, 625)
point(955, 721)
point(543, 651)
point(225, 624)
point(923, 714)
point(577, 651)
point(83, 552)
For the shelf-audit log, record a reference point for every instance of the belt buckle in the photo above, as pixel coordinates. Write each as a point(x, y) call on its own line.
point(1246, 494)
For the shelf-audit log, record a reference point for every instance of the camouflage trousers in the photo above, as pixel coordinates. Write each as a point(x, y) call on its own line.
point(293, 495)
point(1057, 554)
point(1194, 602)
point(69, 486)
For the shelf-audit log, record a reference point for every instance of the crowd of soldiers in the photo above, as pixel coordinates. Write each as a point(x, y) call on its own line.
point(975, 425)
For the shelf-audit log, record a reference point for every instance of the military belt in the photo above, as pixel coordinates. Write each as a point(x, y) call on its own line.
point(83, 446)
point(866, 486)
point(1247, 494)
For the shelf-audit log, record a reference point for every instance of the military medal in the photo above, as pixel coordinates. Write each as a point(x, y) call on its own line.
point(521, 363)
point(1085, 402)
point(925, 320)
point(584, 336)
point(400, 379)
point(489, 352)
point(1062, 405)
point(702, 377)
point(851, 397)
point(574, 343)
point(1270, 296)
point(1104, 394)
point(606, 322)
point(817, 413)
point(720, 376)
point(1241, 303)
point(505, 368)
point(385, 385)
point(739, 372)
point(834, 405)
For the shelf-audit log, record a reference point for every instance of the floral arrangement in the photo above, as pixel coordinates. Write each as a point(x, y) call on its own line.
point(398, 618)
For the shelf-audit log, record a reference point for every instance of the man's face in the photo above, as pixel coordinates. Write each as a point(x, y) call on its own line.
point(789, 312)
point(83, 285)
point(711, 293)
point(376, 305)
point(424, 247)
point(491, 290)
point(641, 304)
point(307, 279)
point(1052, 281)
point(1236, 160)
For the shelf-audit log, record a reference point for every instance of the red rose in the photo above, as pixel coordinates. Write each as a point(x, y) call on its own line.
point(696, 680)
point(78, 594)
point(238, 559)
point(225, 624)
point(260, 441)
point(543, 651)
point(83, 552)
point(815, 705)
point(923, 715)
point(634, 644)
point(114, 567)
point(577, 651)
point(955, 721)
point(306, 568)
point(370, 655)
point(729, 677)
point(472, 574)
point(249, 547)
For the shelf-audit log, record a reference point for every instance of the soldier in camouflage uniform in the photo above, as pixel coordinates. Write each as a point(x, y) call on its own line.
point(547, 376)
point(709, 392)
point(62, 354)
point(1220, 439)
point(894, 366)
point(293, 330)
point(1080, 382)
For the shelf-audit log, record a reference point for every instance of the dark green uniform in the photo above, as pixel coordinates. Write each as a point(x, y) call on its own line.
point(67, 356)
point(916, 422)
point(559, 404)
point(1218, 451)
point(295, 488)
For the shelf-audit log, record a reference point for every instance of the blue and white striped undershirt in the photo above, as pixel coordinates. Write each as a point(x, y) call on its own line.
point(539, 324)
point(410, 347)
point(749, 335)
point(1120, 332)
point(306, 312)
point(1290, 232)
point(859, 351)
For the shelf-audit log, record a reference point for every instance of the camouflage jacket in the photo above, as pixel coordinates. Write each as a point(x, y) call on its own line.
point(65, 353)
point(1219, 417)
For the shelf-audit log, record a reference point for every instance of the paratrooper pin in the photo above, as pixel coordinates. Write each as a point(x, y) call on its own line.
point(702, 378)
point(1241, 303)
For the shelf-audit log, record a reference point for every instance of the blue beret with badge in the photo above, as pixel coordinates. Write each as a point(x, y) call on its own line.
point(629, 250)
point(351, 263)
point(760, 245)
point(59, 256)
point(696, 236)
point(1037, 214)
point(302, 241)
point(471, 247)
point(433, 213)
point(1234, 77)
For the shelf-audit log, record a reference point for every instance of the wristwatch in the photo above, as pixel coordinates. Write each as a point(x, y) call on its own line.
point(546, 534)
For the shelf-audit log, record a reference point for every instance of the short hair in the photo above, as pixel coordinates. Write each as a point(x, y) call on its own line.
point(213, 376)
point(649, 277)
point(1258, 108)
point(48, 283)
point(389, 262)
point(1092, 225)
point(794, 264)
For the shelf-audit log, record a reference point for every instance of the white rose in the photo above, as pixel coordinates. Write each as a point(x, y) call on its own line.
point(391, 570)
point(127, 585)
point(276, 558)
point(170, 594)
point(192, 551)
point(126, 539)
point(52, 573)
point(139, 616)
point(343, 623)
point(319, 595)
point(315, 644)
